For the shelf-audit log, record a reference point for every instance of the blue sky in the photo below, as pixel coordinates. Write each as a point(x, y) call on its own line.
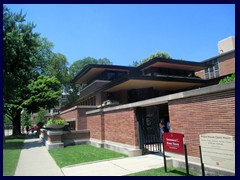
point(126, 33)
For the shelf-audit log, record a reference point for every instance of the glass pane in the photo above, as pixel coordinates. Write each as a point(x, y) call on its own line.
point(206, 75)
point(216, 66)
point(212, 74)
point(211, 69)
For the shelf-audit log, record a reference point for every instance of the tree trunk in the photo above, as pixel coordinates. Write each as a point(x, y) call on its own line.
point(17, 123)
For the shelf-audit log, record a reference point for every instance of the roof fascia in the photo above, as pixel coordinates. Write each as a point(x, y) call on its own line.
point(171, 61)
point(91, 66)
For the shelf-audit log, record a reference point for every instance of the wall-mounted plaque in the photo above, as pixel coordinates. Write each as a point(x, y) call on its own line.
point(218, 150)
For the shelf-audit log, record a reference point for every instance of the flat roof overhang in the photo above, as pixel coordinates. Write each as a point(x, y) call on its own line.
point(158, 83)
point(174, 64)
point(139, 82)
point(94, 70)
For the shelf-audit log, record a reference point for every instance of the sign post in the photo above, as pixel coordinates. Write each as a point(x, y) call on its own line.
point(202, 165)
point(173, 142)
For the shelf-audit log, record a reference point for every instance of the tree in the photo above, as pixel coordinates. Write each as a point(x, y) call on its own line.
point(21, 51)
point(77, 66)
point(20, 44)
point(43, 92)
point(159, 54)
point(25, 118)
point(43, 56)
point(57, 67)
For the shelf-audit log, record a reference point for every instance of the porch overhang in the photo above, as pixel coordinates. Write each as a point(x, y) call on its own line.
point(158, 83)
point(92, 71)
point(174, 64)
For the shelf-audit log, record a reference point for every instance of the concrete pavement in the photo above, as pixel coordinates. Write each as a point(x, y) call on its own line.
point(35, 160)
point(116, 167)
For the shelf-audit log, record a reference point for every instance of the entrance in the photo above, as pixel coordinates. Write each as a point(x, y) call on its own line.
point(149, 130)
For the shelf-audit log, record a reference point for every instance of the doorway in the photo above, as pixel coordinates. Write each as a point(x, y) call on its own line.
point(148, 127)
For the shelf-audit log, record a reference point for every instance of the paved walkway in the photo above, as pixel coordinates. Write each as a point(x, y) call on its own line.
point(36, 161)
point(116, 167)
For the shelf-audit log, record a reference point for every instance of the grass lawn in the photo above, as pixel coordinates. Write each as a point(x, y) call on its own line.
point(80, 154)
point(161, 172)
point(11, 152)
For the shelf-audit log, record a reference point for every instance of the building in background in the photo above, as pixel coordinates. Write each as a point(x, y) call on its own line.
point(223, 64)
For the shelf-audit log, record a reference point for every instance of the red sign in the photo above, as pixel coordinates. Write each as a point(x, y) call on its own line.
point(173, 142)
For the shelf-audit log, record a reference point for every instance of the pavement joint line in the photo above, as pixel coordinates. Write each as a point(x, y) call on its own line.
point(92, 162)
point(121, 167)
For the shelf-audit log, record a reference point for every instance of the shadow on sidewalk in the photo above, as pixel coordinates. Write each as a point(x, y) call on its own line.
point(32, 141)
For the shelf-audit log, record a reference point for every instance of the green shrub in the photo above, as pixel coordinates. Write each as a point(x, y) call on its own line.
point(56, 121)
point(227, 79)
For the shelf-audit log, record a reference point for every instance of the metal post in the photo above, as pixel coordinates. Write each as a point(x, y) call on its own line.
point(186, 159)
point(202, 164)
point(164, 160)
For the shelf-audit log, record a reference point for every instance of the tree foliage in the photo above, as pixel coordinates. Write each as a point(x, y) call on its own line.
point(43, 92)
point(43, 56)
point(57, 67)
point(227, 79)
point(25, 119)
point(23, 62)
point(159, 54)
point(77, 66)
point(40, 118)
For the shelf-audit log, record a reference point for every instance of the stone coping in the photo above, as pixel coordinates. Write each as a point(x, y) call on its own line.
point(77, 107)
point(77, 131)
point(166, 98)
point(60, 132)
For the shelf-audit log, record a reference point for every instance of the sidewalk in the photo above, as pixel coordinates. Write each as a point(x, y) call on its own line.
point(116, 167)
point(35, 160)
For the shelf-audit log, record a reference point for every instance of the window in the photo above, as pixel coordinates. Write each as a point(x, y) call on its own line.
point(64, 96)
point(89, 102)
point(213, 71)
point(111, 75)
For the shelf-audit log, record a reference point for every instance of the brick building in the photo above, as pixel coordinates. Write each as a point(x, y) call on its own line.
point(122, 106)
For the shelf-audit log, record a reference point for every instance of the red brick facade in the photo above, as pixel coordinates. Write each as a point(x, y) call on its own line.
point(211, 113)
point(95, 125)
point(79, 114)
point(227, 64)
point(76, 135)
point(121, 126)
point(116, 126)
point(193, 116)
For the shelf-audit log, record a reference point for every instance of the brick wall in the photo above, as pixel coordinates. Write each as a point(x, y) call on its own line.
point(82, 118)
point(200, 74)
point(121, 126)
point(227, 64)
point(116, 126)
point(79, 114)
point(76, 135)
point(95, 125)
point(71, 114)
point(211, 113)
